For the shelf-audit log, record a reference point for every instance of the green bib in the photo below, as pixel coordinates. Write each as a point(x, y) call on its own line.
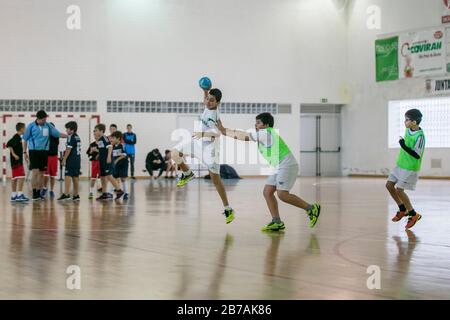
point(405, 160)
point(277, 151)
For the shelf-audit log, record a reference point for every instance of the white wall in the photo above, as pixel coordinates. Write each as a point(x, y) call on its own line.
point(254, 50)
point(365, 118)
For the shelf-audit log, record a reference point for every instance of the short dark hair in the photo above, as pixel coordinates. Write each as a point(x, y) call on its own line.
point(414, 115)
point(216, 93)
point(72, 125)
point(113, 125)
point(266, 118)
point(117, 135)
point(167, 151)
point(41, 114)
point(20, 126)
point(100, 127)
point(129, 125)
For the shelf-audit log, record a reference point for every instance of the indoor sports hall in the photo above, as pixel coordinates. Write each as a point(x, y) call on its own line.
point(225, 149)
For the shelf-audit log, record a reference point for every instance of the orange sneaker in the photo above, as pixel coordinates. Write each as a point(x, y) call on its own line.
point(399, 216)
point(412, 221)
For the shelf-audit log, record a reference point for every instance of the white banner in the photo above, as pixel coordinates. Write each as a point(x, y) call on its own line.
point(446, 11)
point(422, 53)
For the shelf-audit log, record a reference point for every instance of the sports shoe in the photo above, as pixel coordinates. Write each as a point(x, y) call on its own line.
point(43, 193)
point(119, 194)
point(109, 195)
point(99, 190)
point(22, 198)
point(313, 214)
point(126, 196)
point(14, 199)
point(399, 216)
point(412, 221)
point(274, 226)
point(104, 196)
point(229, 215)
point(76, 198)
point(64, 197)
point(51, 194)
point(185, 179)
point(91, 195)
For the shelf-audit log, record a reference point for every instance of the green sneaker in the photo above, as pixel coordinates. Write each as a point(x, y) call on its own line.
point(273, 226)
point(313, 214)
point(229, 215)
point(185, 179)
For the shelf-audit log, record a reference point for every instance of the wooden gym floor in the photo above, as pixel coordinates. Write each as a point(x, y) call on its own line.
point(166, 243)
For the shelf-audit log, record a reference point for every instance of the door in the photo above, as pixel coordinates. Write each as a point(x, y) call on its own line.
point(320, 140)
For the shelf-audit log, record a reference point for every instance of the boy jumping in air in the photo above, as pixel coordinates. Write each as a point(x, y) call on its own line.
point(278, 155)
point(204, 146)
point(406, 174)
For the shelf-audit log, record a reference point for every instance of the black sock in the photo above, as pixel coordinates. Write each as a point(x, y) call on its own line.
point(412, 213)
point(402, 207)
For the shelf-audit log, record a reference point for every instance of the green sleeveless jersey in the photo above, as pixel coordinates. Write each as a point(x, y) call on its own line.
point(405, 160)
point(277, 151)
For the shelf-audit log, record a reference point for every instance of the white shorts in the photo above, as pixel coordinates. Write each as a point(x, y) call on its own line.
point(207, 153)
point(284, 179)
point(404, 179)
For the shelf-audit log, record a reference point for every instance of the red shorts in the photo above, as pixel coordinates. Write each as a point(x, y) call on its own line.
point(95, 169)
point(18, 172)
point(52, 166)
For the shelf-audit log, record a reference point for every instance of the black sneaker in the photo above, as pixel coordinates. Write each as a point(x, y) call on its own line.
point(99, 190)
point(104, 196)
point(36, 195)
point(64, 197)
point(119, 194)
point(76, 198)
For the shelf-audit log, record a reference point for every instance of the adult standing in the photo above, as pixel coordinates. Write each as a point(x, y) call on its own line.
point(130, 139)
point(36, 140)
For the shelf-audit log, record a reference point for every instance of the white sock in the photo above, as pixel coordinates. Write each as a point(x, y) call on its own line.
point(13, 194)
point(124, 186)
point(188, 172)
point(91, 189)
point(228, 208)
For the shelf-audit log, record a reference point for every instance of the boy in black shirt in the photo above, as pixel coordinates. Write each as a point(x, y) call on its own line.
point(105, 159)
point(72, 162)
point(120, 161)
point(52, 166)
point(18, 172)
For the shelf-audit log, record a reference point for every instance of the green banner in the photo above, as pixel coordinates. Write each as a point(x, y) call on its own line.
point(386, 53)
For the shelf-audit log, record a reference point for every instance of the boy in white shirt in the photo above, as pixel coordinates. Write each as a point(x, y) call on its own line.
point(205, 147)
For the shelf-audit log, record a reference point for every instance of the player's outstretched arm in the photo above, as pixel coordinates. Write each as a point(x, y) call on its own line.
point(233, 133)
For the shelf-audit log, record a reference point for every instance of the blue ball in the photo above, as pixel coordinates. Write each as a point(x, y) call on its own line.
point(205, 83)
